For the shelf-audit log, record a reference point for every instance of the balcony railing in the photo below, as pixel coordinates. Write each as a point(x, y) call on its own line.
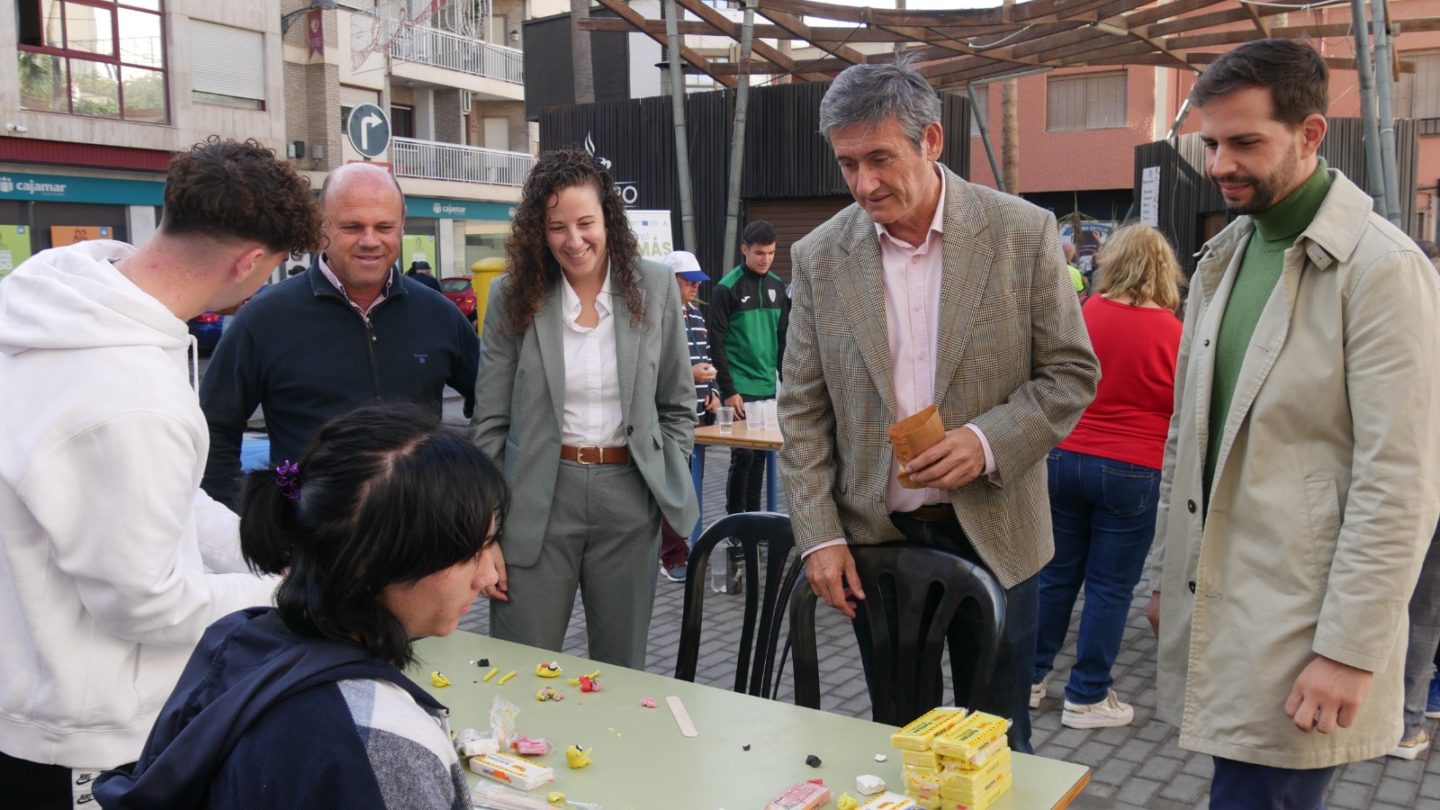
point(448, 161)
point(442, 49)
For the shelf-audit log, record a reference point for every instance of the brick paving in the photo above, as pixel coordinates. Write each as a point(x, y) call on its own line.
point(1139, 766)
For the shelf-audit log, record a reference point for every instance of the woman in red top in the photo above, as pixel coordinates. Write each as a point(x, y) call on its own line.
point(1105, 477)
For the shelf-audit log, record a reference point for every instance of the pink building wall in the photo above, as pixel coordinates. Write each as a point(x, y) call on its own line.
point(1104, 158)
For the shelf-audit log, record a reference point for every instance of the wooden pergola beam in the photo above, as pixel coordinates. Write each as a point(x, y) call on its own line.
point(797, 26)
point(966, 45)
point(687, 53)
point(726, 27)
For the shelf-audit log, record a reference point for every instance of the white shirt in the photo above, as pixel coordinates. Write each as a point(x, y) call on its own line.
point(593, 416)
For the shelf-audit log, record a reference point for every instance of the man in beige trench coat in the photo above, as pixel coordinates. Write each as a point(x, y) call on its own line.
point(1302, 471)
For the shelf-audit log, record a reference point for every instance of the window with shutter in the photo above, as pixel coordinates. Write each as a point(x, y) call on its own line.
point(227, 66)
point(1085, 101)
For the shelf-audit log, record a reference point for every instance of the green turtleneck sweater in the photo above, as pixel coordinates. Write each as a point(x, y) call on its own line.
point(1260, 268)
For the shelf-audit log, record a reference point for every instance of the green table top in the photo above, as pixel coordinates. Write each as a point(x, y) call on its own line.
point(641, 761)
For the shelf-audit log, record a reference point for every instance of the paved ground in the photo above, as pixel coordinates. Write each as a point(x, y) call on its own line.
point(1138, 766)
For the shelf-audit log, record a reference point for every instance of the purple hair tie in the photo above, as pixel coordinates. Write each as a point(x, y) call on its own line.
point(287, 479)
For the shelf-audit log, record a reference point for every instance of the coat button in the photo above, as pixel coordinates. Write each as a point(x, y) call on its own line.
point(1192, 587)
point(1191, 506)
point(1207, 342)
point(630, 430)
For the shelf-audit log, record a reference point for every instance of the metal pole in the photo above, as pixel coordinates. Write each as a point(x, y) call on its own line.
point(1384, 67)
point(682, 147)
point(984, 136)
point(1179, 120)
point(737, 141)
point(1374, 169)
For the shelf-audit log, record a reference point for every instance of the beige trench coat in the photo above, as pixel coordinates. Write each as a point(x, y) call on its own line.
point(1325, 495)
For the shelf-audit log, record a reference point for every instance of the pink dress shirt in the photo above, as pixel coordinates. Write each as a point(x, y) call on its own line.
point(912, 275)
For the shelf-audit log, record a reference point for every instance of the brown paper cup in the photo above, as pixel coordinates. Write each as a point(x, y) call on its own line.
point(914, 435)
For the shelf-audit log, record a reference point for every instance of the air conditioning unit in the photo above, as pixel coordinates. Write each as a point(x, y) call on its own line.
point(465, 103)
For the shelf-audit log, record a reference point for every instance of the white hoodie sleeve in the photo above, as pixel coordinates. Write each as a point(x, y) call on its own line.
point(219, 532)
point(117, 500)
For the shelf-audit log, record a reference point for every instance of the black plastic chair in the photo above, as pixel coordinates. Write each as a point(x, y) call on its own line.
point(760, 632)
point(929, 587)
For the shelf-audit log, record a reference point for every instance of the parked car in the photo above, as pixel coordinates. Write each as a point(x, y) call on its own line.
point(206, 329)
point(458, 289)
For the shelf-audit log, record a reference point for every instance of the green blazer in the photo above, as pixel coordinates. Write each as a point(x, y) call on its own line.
point(520, 402)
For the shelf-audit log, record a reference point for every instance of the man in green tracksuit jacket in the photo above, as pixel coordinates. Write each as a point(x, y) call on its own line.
point(749, 311)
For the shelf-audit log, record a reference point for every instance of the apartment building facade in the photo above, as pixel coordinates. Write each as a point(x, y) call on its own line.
point(100, 93)
point(450, 76)
point(97, 94)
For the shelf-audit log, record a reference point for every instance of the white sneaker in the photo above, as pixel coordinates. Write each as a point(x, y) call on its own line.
point(1037, 692)
point(1413, 747)
point(1105, 714)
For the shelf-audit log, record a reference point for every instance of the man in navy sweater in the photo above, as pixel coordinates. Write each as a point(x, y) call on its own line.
point(351, 330)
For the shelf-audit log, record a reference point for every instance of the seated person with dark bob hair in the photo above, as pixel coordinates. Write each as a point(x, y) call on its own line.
point(377, 532)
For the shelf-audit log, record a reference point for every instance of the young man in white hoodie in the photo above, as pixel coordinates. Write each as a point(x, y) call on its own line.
point(113, 562)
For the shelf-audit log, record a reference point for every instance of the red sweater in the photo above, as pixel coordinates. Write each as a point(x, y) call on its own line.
point(1130, 416)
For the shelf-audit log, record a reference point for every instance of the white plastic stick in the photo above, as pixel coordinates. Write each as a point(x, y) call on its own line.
point(682, 717)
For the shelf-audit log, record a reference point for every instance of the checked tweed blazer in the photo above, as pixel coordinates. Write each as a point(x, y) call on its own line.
point(1012, 356)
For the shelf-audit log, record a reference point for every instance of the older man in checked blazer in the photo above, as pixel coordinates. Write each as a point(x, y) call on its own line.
point(928, 290)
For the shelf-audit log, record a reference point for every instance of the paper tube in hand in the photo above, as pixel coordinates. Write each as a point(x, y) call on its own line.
point(914, 435)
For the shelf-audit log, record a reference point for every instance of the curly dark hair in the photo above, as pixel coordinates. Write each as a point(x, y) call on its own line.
point(227, 189)
point(532, 271)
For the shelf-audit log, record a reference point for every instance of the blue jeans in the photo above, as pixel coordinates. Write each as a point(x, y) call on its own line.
point(1104, 519)
point(1243, 786)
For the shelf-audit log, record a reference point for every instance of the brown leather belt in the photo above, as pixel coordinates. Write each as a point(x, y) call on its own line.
point(933, 513)
point(595, 455)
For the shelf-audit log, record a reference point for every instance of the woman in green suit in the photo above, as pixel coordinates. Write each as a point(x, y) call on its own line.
point(584, 391)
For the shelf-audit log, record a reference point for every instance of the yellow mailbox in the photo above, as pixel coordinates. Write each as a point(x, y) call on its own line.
point(481, 274)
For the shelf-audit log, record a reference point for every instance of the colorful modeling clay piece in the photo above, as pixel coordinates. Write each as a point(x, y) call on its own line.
point(482, 663)
point(589, 684)
point(745, 747)
point(507, 677)
point(555, 797)
point(869, 784)
point(648, 703)
point(439, 681)
point(846, 802)
point(813, 761)
point(530, 746)
point(880, 757)
point(548, 670)
point(801, 796)
point(492, 673)
point(577, 757)
point(546, 693)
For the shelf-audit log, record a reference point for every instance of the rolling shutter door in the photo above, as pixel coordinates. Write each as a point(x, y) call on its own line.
point(793, 219)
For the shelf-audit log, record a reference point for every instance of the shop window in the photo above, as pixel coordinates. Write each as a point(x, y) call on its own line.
point(1085, 101)
point(99, 58)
